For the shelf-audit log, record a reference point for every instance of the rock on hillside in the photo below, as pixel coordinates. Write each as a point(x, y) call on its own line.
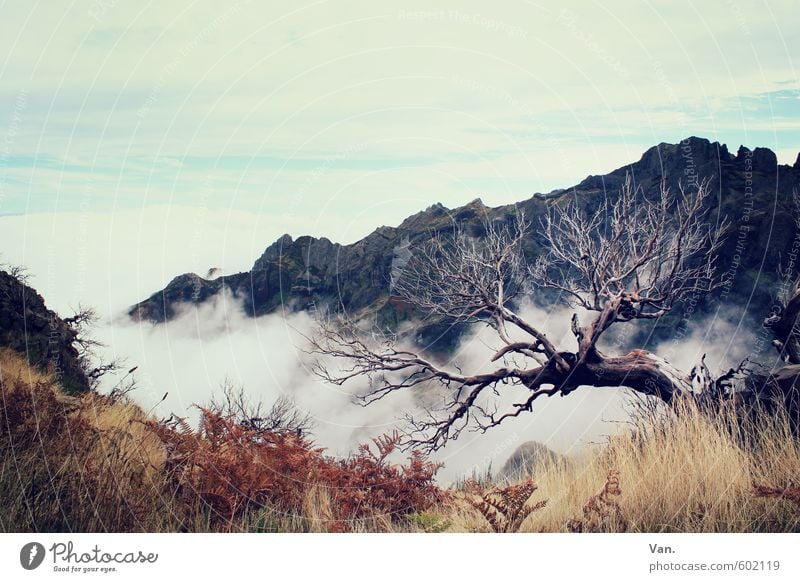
point(523, 462)
point(30, 328)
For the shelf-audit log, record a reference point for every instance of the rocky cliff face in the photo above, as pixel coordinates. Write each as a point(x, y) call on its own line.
point(751, 190)
point(30, 328)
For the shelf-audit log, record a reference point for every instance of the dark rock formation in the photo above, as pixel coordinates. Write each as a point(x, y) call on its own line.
point(30, 328)
point(524, 461)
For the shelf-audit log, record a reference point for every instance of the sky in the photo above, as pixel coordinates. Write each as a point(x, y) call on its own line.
point(141, 140)
point(342, 116)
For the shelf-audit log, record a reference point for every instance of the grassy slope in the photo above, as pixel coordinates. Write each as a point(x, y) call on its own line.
point(686, 475)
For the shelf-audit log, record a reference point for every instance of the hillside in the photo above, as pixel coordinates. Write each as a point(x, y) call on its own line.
point(751, 190)
point(529, 458)
point(92, 463)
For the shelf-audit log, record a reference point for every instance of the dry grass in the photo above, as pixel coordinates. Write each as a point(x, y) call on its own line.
point(95, 464)
point(682, 473)
point(72, 463)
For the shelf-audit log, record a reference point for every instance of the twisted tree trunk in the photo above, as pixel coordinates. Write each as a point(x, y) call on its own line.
point(784, 382)
point(638, 370)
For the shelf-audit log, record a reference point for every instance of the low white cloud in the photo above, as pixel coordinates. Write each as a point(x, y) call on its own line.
point(110, 261)
point(191, 356)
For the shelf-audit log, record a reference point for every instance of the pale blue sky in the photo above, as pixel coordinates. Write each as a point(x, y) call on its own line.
point(322, 110)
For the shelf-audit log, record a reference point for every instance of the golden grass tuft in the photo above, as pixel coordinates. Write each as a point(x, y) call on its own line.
point(687, 472)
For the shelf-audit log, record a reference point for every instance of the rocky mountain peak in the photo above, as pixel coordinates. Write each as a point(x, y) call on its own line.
point(764, 160)
point(273, 251)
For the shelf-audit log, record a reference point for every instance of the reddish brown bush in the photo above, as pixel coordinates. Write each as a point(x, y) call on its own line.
point(231, 468)
point(234, 468)
point(367, 483)
point(98, 463)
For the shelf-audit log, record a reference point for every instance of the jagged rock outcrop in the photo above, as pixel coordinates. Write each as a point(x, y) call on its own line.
point(752, 191)
point(30, 328)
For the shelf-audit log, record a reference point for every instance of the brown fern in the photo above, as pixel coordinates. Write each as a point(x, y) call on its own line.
point(504, 508)
point(790, 493)
point(602, 512)
point(233, 469)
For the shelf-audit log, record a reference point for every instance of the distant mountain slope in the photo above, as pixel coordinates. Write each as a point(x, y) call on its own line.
point(527, 459)
point(751, 190)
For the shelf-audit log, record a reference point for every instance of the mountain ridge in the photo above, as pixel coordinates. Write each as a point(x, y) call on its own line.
point(309, 273)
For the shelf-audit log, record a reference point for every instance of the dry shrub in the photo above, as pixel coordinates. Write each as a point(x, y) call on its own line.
point(235, 469)
point(602, 512)
point(96, 463)
point(367, 483)
point(503, 507)
point(232, 469)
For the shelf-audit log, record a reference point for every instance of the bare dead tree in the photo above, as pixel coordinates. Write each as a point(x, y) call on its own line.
point(81, 323)
point(20, 273)
point(283, 416)
point(632, 258)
